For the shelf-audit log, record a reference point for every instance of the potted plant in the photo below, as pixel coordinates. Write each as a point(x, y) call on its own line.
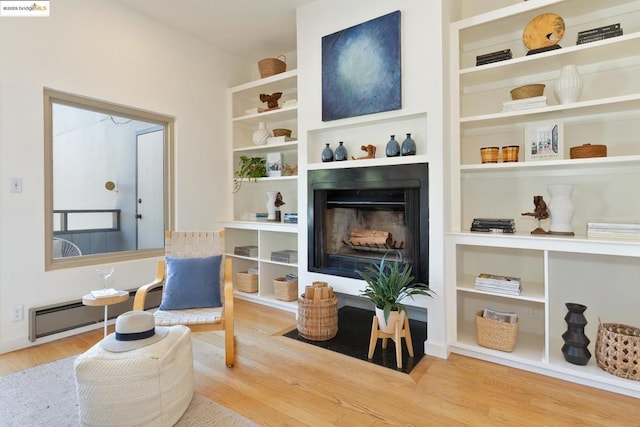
point(387, 286)
point(250, 168)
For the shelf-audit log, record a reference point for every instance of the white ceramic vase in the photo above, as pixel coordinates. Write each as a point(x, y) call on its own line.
point(569, 84)
point(271, 205)
point(261, 135)
point(560, 209)
point(390, 326)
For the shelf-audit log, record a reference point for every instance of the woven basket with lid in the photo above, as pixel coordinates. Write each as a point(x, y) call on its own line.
point(586, 151)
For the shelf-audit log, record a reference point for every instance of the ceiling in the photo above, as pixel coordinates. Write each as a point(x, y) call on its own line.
point(248, 29)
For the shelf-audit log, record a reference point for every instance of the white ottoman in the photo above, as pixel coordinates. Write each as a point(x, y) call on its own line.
point(152, 385)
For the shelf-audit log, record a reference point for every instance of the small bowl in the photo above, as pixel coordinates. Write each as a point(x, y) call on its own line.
point(282, 132)
point(527, 91)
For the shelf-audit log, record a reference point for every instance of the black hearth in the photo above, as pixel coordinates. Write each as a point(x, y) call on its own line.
point(390, 199)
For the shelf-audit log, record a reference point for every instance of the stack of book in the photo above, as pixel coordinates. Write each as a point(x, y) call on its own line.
point(525, 103)
point(600, 33)
point(498, 284)
point(494, 225)
point(288, 256)
point(248, 251)
point(611, 230)
point(488, 58)
point(290, 218)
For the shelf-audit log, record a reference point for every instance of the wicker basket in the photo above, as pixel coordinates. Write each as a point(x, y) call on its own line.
point(247, 282)
point(285, 291)
point(282, 132)
point(586, 151)
point(271, 66)
point(618, 350)
point(318, 318)
point(494, 334)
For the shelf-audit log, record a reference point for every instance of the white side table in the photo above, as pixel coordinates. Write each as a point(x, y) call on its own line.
point(90, 300)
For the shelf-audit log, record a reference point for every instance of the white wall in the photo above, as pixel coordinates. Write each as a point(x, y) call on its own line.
point(422, 92)
point(104, 51)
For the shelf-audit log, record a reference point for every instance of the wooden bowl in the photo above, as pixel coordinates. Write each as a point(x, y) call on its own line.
point(527, 91)
point(282, 132)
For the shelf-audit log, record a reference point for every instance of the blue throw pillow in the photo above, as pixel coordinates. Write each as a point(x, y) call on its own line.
point(192, 283)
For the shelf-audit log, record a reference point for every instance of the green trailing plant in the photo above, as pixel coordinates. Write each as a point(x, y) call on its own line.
point(250, 168)
point(388, 285)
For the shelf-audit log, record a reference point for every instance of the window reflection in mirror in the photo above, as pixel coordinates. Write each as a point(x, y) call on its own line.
point(107, 193)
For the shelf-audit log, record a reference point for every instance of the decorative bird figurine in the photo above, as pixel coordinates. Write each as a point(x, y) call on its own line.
point(271, 100)
point(279, 202)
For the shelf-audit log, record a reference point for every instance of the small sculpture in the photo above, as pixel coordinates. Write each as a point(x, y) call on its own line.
point(271, 100)
point(290, 170)
point(370, 150)
point(540, 212)
point(279, 202)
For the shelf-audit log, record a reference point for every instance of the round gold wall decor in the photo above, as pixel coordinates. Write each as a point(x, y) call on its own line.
point(543, 31)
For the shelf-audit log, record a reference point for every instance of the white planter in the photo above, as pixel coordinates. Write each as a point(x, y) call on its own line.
point(271, 205)
point(569, 84)
point(390, 326)
point(560, 208)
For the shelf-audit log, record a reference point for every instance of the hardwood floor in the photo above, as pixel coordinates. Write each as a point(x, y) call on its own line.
point(278, 381)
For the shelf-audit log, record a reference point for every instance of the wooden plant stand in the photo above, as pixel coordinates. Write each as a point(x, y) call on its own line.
point(399, 333)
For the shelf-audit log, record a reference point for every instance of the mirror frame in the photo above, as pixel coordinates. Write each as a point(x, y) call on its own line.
point(51, 97)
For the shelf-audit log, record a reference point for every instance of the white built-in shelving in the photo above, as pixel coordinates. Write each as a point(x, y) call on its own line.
point(601, 274)
point(268, 236)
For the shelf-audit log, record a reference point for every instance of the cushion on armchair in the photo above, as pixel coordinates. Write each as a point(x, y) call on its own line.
point(192, 283)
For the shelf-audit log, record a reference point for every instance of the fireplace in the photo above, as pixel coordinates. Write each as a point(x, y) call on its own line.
point(358, 216)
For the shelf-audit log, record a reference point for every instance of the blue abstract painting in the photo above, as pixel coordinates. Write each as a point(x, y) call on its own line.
point(361, 69)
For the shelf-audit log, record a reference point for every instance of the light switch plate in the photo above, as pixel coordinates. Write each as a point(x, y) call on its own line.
point(16, 185)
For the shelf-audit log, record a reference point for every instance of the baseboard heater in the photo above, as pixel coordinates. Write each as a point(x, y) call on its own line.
point(56, 318)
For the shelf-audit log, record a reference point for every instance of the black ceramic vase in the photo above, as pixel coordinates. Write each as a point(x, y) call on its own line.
point(575, 341)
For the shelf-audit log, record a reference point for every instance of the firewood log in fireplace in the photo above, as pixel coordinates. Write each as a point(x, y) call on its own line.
point(370, 238)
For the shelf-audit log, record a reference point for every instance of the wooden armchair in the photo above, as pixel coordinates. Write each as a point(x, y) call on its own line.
point(196, 245)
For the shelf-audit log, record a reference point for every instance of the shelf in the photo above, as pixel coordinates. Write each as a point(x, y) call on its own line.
point(281, 114)
point(289, 145)
point(529, 346)
point(378, 161)
point(580, 165)
point(611, 49)
point(577, 244)
point(533, 292)
point(617, 104)
point(262, 225)
point(274, 83)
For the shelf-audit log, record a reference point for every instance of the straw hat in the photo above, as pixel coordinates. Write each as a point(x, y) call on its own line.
point(134, 329)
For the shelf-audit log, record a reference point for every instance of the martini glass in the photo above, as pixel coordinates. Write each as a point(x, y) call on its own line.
point(105, 273)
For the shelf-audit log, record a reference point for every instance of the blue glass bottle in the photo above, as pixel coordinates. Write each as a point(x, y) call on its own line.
point(327, 154)
point(408, 146)
point(393, 148)
point(341, 152)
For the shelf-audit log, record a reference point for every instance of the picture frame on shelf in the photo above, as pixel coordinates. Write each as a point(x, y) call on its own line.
point(274, 164)
point(544, 141)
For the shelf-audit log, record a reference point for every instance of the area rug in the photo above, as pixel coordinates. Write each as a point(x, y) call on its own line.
point(46, 396)
point(354, 332)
